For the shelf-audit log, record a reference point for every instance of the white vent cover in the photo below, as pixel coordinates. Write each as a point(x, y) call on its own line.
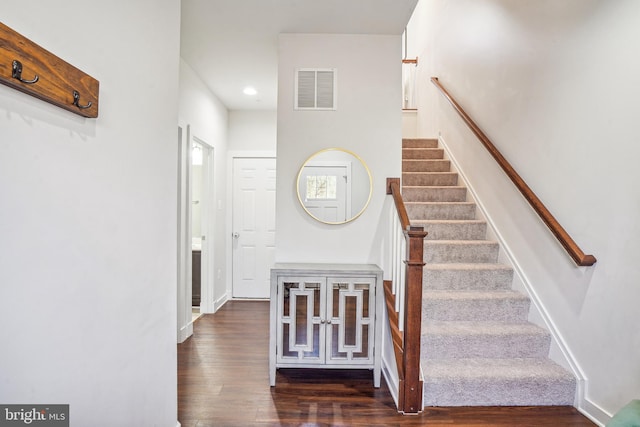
point(315, 89)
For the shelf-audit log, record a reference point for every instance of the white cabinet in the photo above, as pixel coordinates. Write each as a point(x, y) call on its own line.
point(325, 316)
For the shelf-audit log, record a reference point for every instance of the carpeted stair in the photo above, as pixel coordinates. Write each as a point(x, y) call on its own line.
point(478, 349)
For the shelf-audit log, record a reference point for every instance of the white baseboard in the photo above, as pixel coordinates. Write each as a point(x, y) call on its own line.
point(594, 412)
point(185, 332)
point(391, 380)
point(220, 302)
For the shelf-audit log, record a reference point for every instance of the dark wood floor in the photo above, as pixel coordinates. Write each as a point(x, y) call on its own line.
point(223, 380)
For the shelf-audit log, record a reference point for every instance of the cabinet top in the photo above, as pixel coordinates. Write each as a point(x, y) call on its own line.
point(320, 268)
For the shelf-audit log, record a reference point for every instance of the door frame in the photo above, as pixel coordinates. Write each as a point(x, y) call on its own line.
point(186, 137)
point(184, 324)
point(231, 156)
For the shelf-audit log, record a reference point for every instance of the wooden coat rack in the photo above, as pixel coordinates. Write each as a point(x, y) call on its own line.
point(31, 69)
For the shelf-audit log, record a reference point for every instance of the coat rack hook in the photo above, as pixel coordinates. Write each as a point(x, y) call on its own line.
point(17, 73)
point(76, 101)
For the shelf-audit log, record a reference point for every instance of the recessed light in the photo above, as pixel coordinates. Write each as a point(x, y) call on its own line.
point(250, 91)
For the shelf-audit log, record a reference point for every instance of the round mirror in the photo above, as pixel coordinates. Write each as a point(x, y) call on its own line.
point(334, 186)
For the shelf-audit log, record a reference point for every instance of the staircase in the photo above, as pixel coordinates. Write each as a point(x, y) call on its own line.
point(478, 349)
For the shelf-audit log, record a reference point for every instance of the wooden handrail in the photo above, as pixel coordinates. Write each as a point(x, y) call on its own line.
point(410, 383)
point(393, 188)
point(563, 237)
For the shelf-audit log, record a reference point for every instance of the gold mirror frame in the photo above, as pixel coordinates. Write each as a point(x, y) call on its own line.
point(321, 157)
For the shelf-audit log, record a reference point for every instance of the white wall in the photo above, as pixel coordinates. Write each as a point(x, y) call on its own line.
point(554, 85)
point(208, 119)
point(253, 130)
point(88, 219)
point(368, 116)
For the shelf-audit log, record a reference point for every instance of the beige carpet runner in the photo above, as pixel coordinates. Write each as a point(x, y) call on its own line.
point(478, 349)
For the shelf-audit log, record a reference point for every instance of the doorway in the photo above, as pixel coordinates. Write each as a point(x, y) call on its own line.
point(195, 227)
point(253, 222)
point(201, 223)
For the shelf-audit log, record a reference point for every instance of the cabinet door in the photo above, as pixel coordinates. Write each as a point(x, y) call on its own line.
point(350, 320)
point(300, 312)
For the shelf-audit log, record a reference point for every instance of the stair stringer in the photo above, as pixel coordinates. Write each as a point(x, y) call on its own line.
point(559, 351)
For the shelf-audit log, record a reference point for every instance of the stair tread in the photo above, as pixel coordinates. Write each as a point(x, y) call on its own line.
point(440, 193)
point(446, 327)
point(422, 153)
point(460, 242)
point(504, 305)
point(448, 251)
point(428, 173)
point(480, 368)
point(433, 187)
point(419, 139)
point(468, 266)
point(447, 221)
point(419, 143)
point(427, 160)
point(441, 210)
point(453, 229)
point(507, 294)
point(441, 203)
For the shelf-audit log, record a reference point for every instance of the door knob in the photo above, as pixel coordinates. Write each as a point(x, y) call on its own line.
point(236, 235)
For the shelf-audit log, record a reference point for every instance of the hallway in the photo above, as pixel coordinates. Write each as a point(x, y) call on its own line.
point(223, 380)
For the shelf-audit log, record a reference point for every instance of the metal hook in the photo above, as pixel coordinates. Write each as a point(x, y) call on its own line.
point(76, 101)
point(17, 73)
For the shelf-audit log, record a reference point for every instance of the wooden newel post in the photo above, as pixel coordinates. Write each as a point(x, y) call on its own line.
point(412, 319)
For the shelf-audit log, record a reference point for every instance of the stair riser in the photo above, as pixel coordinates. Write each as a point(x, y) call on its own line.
point(501, 346)
point(451, 211)
point(426, 166)
point(467, 279)
point(442, 253)
point(434, 194)
point(497, 310)
point(439, 179)
point(498, 392)
point(455, 230)
point(423, 153)
point(419, 143)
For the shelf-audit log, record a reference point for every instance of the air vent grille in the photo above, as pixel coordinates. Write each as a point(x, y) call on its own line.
point(315, 89)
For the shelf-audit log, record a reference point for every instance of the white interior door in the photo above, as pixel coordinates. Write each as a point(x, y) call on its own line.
point(325, 191)
point(254, 220)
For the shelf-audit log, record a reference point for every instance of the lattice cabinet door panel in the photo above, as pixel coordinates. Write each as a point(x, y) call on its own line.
point(350, 320)
point(301, 308)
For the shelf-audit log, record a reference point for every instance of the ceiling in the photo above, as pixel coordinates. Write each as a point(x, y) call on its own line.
point(232, 44)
